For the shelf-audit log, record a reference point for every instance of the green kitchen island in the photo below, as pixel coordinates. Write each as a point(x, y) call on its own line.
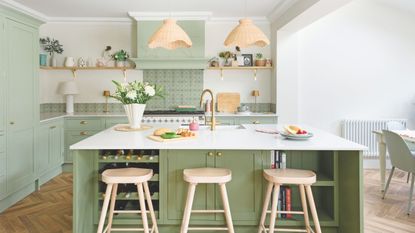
point(337, 162)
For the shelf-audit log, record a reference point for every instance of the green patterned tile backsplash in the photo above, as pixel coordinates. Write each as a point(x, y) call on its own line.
point(182, 87)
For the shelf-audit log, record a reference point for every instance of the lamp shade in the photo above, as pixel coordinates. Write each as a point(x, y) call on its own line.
point(255, 93)
point(68, 88)
point(246, 34)
point(170, 36)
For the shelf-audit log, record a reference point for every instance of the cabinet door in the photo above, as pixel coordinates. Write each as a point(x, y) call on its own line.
point(22, 52)
point(109, 122)
point(55, 144)
point(177, 160)
point(245, 189)
point(72, 137)
point(2, 78)
point(42, 158)
point(2, 175)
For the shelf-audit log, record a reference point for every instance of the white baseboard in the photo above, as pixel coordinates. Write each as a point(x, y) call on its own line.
point(374, 164)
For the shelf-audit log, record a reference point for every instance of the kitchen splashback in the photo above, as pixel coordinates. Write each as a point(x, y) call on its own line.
point(181, 87)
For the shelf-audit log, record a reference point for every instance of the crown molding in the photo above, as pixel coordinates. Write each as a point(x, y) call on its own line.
point(179, 15)
point(93, 20)
point(280, 8)
point(24, 9)
point(255, 19)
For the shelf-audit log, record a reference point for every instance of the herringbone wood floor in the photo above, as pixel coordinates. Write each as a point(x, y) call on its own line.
point(50, 209)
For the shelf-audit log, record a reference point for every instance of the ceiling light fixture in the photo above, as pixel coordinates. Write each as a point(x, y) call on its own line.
point(170, 36)
point(246, 34)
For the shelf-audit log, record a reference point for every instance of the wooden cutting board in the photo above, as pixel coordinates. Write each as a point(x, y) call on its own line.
point(228, 102)
point(160, 139)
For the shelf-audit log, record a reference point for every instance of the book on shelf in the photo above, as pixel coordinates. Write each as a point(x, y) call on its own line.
point(278, 160)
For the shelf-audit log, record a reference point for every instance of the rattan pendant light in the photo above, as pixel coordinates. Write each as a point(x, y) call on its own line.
point(170, 36)
point(246, 34)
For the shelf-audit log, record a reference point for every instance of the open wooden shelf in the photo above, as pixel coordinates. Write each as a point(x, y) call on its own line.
point(240, 68)
point(75, 69)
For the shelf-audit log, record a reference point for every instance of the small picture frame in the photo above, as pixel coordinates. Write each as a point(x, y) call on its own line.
point(247, 60)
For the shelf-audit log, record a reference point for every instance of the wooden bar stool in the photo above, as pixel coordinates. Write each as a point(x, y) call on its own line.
point(137, 176)
point(277, 177)
point(207, 176)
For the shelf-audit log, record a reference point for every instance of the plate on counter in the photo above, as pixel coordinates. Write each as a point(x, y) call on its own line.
point(297, 136)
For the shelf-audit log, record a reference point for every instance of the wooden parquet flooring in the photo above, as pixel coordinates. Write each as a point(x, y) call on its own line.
point(50, 209)
point(47, 211)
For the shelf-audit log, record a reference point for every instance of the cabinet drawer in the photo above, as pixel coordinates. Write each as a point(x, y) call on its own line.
point(2, 142)
point(2, 164)
point(74, 136)
point(84, 124)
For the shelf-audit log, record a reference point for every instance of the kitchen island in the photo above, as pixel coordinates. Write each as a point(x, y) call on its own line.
point(337, 162)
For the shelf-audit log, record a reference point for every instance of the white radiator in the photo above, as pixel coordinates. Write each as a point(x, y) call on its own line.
point(361, 131)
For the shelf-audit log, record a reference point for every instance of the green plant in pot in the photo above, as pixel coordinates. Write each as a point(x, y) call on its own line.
point(134, 96)
point(51, 46)
point(120, 57)
point(227, 57)
point(259, 60)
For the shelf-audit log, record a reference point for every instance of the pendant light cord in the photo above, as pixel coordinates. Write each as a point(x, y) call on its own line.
point(245, 11)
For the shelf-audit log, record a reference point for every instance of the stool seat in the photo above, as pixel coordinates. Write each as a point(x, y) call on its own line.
point(126, 175)
point(290, 176)
point(207, 175)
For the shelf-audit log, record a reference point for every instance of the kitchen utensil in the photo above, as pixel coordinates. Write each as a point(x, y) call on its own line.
point(194, 126)
point(228, 102)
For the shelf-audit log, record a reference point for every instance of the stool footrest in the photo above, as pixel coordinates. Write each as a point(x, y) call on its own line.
point(129, 211)
point(286, 230)
point(207, 228)
point(207, 211)
point(287, 212)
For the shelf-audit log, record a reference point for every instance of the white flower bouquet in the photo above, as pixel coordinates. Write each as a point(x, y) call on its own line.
point(136, 92)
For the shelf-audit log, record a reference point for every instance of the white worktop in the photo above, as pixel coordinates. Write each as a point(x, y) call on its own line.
point(226, 138)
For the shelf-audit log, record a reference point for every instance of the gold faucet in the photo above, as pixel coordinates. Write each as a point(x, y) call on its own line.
point(212, 108)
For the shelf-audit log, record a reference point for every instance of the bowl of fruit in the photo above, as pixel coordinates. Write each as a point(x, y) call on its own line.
point(295, 133)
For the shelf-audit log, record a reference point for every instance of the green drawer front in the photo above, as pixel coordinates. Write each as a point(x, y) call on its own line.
point(84, 124)
point(2, 142)
point(74, 136)
point(115, 121)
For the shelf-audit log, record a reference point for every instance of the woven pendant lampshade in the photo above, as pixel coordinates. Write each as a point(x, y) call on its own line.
point(246, 34)
point(170, 36)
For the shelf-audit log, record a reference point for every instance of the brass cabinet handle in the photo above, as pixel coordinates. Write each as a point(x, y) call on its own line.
point(52, 127)
point(83, 133)
point(256, 122)
point(210, 154)
point(84, 122)
point(12, 122)
point(219, 154)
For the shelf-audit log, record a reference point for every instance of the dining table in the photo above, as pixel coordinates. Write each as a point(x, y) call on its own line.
point(407, 135)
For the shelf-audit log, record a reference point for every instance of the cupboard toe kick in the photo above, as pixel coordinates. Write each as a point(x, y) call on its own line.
point(335, 192)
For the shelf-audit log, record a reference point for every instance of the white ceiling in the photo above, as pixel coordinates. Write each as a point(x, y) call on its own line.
point(119, 8)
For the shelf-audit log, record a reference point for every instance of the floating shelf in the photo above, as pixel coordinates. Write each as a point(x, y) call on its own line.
point(75, 69)
point(240, 68)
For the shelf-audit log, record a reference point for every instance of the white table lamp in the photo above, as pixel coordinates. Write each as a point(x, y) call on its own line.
point(69, 89)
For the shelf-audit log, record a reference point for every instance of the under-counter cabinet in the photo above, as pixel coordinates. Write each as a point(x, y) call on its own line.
point(49, 157)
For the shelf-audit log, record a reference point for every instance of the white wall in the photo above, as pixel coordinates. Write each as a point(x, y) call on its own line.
point(358, 62)
point(89, 39)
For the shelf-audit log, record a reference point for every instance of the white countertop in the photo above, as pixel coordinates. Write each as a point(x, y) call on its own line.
point(225, 138)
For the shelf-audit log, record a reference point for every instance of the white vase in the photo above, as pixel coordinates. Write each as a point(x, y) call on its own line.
point(135, 114)
point(70, 62)
point(119, 64)
point(53, 61)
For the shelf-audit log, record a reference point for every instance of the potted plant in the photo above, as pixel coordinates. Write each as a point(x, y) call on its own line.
point(259, 61)
point(134, 96)
point(227, 57)
point(51, 46)
point(120, 57)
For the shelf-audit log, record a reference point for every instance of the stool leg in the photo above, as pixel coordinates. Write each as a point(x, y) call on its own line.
point(305, 209)
point(313, 208)
point(265, 207)
point(143, 207)
point(104, 208)
point(112, 206)
point(150, 207)
point(274, 208)
point(188, 208)
point(226, 208)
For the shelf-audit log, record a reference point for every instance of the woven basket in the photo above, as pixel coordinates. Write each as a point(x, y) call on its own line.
point(246, 34)
point(170, 36)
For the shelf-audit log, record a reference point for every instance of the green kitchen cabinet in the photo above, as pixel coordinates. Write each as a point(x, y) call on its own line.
point(74, 136)
point(50, 153)
point(111, 121)
point(246, 180)
point(22, 56)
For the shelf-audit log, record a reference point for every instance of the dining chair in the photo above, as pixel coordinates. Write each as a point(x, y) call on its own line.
point(402, 158)
point(396, 125)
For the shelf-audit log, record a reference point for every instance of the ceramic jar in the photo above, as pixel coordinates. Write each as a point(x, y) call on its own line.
point(69, 62)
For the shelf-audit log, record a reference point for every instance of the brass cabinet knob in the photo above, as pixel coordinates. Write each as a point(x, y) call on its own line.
point(83, 133)
point(211, 154)
point(256, 122)
point(219, 154)
point(84, 122)
point(52, 127)
point(12, 122)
